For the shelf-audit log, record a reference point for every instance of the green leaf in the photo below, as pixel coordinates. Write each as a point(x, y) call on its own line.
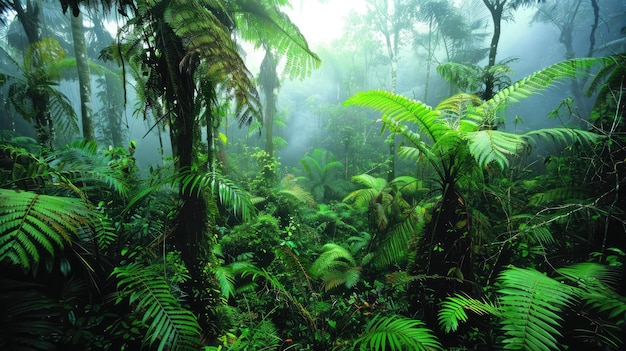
point(169, 325)
point(397, 333)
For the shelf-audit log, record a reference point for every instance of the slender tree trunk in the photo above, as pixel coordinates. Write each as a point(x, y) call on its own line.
point(84, 77)
point(495, 9)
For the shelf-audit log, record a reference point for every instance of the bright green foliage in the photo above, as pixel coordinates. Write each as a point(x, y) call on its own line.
point(33, 225)
point(335, 266)
point(363, 197)
point(396, 333)
point(532, 304)
point(453, 310)
point(169, 326)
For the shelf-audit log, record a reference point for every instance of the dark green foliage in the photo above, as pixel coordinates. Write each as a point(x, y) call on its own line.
point(334, 267)
point(169, 325)
point(531, 306)
point(33, 225)
point(258, 238)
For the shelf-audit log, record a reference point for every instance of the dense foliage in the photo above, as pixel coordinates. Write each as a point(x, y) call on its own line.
point(449, 232)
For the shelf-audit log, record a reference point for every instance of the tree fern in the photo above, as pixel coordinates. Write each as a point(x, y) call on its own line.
point(169, 326)
point(34, 225)
point(396, 333)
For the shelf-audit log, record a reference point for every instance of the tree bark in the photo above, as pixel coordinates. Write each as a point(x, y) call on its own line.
point(84, 76)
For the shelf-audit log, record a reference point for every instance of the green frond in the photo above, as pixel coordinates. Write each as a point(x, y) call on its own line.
point(33, 225)
point(83, 164)
point(531, 305)
point(465, 76)
point(370, 182)
point(595, 281)
point(227, 192)
point(492, 146)
point(398, 108)
point(396, 333)
point(396, 243)
point(541, 80)
point(453, 310)
point(557, 195)
point(564, 136)
point(263, 23)
point(335, 266)
point(169, 326)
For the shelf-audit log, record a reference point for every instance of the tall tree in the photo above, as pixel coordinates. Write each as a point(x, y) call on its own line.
point(287, 52)
point(84, 76)
point(497, 9)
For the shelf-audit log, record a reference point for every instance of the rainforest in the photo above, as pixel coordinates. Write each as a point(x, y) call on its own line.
point(312, 175)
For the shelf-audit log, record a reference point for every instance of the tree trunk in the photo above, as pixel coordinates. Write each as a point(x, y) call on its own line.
point(495, 9)
point(84, 77)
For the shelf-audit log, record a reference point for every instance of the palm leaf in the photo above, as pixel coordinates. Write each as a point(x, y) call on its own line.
point(32, 225)
point(531, 303)
point(169, 326)
point(396, 333)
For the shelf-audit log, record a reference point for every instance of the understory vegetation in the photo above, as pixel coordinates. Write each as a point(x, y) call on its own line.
point(451, 230)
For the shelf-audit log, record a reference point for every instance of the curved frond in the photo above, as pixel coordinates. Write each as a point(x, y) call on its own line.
point(33, 225)
point(227, 192)
point(492, 146)
point(453, 310)
point(398, 108)
point(531, 303)
point(335, 266)
point(539, 80)
point(261, 21)
point(397, 241)
point(564, 135)
point(396, 333)
point(169, 326)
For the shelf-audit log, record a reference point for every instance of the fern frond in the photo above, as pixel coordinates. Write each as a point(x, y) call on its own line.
point(557, 195)
point(541, 80)
point(82, 163)
point(564, 136)
point(453, 310)
point(396, 333)
point(32, 225)
point(492, 146)
point(397, 242)
point(531, 303)
point(398, 108)
point(227, 192)
point(335, 266)
point(169, 326)
point(282, 36)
